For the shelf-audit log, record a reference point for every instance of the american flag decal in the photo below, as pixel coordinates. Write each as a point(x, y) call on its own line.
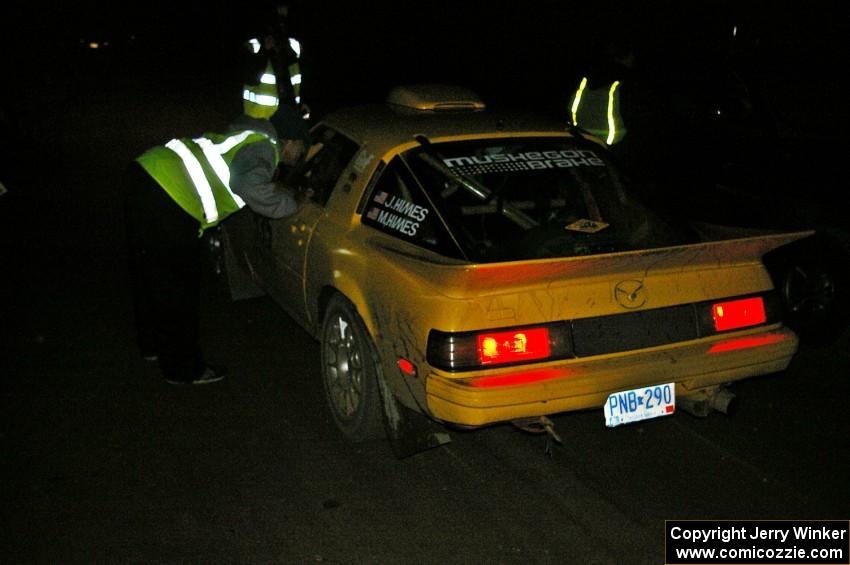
point(380, 197)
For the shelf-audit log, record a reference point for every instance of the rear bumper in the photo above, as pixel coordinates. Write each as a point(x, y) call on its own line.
point(576, 384)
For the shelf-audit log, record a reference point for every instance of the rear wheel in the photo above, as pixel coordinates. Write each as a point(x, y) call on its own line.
point(350, 372)
point(814, 285)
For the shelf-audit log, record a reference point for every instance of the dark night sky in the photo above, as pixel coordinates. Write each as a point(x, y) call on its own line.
point(448, 34)
point(513, 51)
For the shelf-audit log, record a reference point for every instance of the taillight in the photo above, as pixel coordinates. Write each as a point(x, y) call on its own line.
point(742, 313)
point(465, 351)
point(513, 346)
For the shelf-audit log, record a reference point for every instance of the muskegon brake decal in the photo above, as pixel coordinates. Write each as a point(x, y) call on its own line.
point(527, 161)
point(397, 214)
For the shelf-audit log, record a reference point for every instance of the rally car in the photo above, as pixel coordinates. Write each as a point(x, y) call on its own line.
point(477, 268)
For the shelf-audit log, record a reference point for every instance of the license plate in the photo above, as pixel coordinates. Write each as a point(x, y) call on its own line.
point(640, 404)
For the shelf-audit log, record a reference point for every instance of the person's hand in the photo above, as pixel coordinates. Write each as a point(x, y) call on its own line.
point(301, 196)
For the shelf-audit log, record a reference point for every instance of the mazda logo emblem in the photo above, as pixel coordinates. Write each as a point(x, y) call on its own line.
point(630, 294)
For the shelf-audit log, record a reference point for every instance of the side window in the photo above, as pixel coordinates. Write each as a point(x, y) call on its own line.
point(397, 206)
point(329, 154)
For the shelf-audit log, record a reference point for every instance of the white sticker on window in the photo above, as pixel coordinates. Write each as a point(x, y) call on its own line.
point(393, 221)
point(401, 206)
point(526, 161)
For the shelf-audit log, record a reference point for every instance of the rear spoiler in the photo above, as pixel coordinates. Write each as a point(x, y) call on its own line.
point(462, 279)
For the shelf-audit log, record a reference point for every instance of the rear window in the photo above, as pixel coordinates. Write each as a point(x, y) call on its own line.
point(515, 199)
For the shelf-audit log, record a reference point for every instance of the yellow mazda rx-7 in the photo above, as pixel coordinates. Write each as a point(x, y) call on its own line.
point(479, 268)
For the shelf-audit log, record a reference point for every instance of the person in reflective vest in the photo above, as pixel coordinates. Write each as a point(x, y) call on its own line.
point(597, 109)
point(273, 70)
point(175, 192)
point(260, 97)
point(596, 104)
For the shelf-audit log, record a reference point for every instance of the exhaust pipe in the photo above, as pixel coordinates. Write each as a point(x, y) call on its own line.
point(701, 404)
point(723, 401)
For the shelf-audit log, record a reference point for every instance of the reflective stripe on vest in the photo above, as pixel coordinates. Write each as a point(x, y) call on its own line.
point(295, 45)
point(259, 99)
point(199, 179)
point(295, 81)
point(214, 152)
point(295, 70)
point(577, 99)
point(612, 126)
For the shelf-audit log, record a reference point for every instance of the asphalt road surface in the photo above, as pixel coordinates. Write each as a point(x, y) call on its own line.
point(102, 462)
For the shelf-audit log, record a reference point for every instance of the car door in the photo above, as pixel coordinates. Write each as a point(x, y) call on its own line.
point(328, 156)
point(290, 240)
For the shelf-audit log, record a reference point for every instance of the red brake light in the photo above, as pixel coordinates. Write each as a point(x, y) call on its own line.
point(472, 350)
point(511, 346)
point(738, 313)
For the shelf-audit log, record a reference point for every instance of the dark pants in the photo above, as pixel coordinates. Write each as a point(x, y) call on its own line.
point(165, 266)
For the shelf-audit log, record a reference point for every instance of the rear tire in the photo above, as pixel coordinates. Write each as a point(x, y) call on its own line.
point(814, 283)
point(350, 373)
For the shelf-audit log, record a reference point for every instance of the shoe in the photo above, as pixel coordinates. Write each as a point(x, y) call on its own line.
point(209, 375)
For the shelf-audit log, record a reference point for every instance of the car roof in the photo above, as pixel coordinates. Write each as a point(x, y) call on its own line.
point(385, 126)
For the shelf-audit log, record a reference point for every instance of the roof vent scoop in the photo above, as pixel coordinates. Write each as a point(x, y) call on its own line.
point(436, 98)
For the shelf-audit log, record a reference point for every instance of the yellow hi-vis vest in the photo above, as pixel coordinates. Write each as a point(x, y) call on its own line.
point(196, 172)
point(260, 100)
point(597, 110)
